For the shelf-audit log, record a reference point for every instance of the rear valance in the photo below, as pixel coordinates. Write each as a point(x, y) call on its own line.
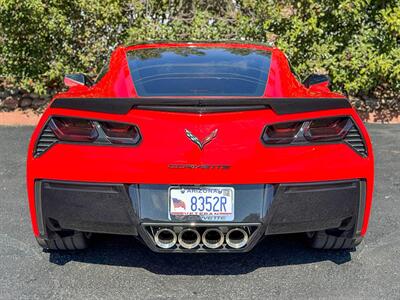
point(201, 105)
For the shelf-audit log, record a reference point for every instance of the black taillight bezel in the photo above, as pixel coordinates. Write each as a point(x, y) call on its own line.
point(305, 142)
point(100, 141)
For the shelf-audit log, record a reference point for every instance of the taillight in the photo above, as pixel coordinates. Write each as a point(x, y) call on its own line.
point(283, 133)
point(92, 131)
point(119, 133)
point(303, 132)
point(327, 130)
point(73, 129)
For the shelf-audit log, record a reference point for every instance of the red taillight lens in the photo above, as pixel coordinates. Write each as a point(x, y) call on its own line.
point(283, 133)
point(327, 130)
point(303, 132)
point(119, 133)
point(73, 130)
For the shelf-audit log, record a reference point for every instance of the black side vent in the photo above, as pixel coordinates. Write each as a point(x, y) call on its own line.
point(355, 140)
point(45, 141)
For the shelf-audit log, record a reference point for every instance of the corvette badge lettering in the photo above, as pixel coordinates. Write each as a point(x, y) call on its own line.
point(204, 167)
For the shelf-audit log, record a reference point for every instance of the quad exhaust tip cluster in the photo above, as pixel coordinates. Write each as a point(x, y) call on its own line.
point(190, 238)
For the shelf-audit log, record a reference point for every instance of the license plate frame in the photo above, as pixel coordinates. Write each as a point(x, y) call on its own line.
point(209, 216)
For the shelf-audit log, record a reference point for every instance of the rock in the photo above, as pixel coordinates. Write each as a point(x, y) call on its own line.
point(47, 97)
point(371, 102)
point(34, 96)
point(358, 103)
point(51, 91)
point(25, 102)
point(37, 103)
point(4, 94)
point(10, 103)
point(15, 92)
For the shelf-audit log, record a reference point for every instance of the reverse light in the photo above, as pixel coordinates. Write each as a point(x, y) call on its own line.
point(119, 133)
point(282, 133)
point(308, 131)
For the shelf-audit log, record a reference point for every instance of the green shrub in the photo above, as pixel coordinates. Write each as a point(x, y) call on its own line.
point(356, 42)
point(41, 40)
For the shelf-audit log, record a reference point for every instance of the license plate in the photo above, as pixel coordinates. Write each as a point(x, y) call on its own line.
point(209, 203)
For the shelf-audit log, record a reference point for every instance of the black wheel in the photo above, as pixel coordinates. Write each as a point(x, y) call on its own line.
point(71, 241)
point(332, 241)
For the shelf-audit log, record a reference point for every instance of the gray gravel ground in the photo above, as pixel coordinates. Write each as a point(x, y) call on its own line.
point(120, 267)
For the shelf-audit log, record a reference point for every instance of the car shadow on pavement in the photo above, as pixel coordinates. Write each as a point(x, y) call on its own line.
point(126, 251)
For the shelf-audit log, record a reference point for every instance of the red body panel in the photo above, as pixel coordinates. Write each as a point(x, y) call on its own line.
point(238, 143)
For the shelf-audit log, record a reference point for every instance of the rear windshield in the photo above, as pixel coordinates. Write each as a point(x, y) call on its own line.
point(193, 71)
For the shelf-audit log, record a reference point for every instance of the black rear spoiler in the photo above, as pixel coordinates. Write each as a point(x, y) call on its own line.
point(201, 105)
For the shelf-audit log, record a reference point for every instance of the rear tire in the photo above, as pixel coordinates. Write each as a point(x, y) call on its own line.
point(323, 240)
point(74, 241)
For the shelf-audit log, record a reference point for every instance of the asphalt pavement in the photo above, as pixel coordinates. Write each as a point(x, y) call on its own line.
point(119, 267)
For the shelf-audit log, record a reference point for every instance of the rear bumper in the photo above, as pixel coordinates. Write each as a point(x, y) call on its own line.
point(129, 209)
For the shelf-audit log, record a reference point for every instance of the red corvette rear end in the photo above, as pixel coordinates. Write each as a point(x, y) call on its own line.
point(199, 147)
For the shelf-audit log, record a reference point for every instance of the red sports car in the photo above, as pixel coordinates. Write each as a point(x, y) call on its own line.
point(199, 147)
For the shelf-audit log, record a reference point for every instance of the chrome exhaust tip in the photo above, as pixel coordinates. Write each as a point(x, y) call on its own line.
point(213, 238)
point(237, 238)
point(189, 238)
point(165, 238)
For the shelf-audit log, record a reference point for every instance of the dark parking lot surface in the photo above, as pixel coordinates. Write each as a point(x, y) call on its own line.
point(120, 267)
